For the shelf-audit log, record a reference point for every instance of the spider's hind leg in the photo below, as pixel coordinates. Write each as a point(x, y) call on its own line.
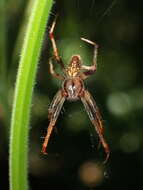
point(53, 114)
point(96, 120)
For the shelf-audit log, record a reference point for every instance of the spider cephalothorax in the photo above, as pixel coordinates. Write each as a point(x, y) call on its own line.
point(73, 89)
point(74, 66)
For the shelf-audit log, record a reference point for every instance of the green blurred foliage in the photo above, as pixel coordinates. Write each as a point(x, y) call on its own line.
point(116, 26)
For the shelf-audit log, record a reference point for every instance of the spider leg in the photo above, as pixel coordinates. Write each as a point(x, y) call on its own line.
point(52, 71)
point(90, 69)
point(53, 114)
point(96, 120)
point(55, 49)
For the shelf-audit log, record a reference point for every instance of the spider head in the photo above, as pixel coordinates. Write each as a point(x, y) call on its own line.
point(74, 66)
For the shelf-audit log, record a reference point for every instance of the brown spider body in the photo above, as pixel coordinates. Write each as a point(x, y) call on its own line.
point(73, 86)
point(73, 89)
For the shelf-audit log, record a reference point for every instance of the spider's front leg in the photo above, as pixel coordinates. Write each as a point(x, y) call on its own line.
point(53, 114)
point(55, 49)
point(95, 118)
point(53, 73)
point(90, 69)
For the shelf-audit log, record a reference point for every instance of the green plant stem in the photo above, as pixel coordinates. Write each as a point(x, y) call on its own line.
point(23, 94)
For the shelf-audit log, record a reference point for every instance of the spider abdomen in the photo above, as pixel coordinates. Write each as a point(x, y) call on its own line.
point(73, 88)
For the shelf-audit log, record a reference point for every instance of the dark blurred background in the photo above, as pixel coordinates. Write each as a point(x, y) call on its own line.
point(74, 161)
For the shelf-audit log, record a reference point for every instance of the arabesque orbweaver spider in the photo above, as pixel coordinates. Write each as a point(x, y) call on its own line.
point(73, 89)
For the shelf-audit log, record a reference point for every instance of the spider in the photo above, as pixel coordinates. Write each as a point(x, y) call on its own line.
point(73, 89)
